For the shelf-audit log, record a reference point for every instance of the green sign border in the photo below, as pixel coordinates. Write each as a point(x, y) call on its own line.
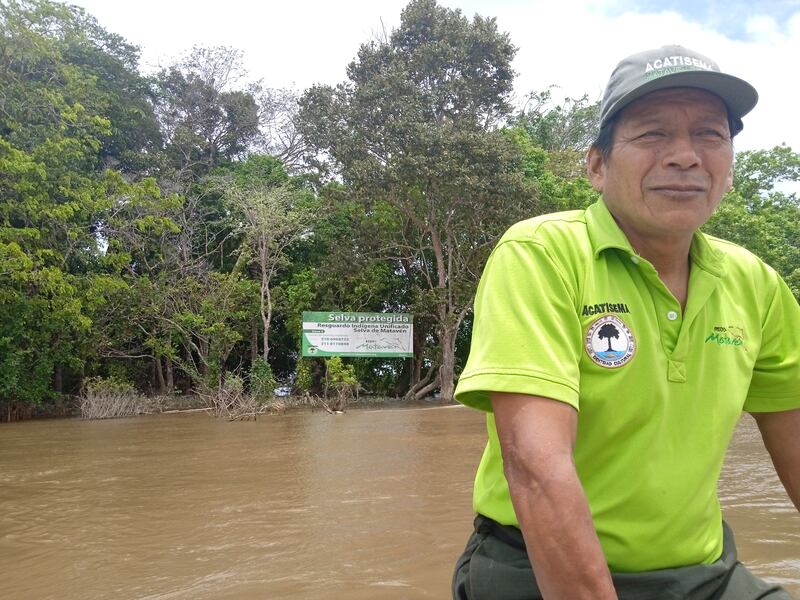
point(353, 317)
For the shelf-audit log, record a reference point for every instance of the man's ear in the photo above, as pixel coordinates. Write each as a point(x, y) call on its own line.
point(729, 182)
point(596, 168)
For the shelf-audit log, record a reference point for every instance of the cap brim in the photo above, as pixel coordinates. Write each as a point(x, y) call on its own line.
point(739, 96)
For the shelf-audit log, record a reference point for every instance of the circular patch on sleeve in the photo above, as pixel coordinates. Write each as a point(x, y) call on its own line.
point(609, 342)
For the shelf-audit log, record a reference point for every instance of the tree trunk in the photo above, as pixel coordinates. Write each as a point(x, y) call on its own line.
point(447, 326)
point(419, 354)
point(317, 377)
point(152, 383)
point(425, 385)
point(203, 346)
point(447, 372)
point(253, 344)
point(16, 411)
point(81, 377)
point(58, 379)
point(170, 375)
point(404, 383)
point(266, 313)
point(159, 372)
point(426, 390)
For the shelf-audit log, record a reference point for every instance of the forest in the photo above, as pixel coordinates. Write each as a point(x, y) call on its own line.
point(165, 231)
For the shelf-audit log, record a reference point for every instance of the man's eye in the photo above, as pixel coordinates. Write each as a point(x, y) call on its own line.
point(714, 133)
point(653, 134)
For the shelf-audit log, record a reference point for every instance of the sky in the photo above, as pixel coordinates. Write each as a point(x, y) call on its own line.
point(571, 44)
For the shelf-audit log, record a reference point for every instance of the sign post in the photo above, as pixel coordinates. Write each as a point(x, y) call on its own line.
point(357, 334)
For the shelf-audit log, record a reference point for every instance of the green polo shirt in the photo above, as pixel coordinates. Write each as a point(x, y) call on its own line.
point(567, 310)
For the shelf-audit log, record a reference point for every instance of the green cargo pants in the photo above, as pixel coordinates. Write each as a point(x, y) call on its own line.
point(495, 566)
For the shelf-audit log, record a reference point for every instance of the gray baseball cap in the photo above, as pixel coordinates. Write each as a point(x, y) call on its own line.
point(675, 66)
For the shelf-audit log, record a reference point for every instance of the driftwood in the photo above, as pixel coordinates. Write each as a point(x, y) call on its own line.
point(425, 385)
point(332, 411)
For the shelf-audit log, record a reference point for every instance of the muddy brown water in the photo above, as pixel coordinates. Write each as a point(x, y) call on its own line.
point(372, 504)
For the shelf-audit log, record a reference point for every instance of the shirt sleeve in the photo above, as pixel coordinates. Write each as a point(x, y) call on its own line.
point(526, 335)
point(775, 385)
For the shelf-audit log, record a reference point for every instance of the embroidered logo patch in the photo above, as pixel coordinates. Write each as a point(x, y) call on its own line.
point(609, 342)
point(727, 336)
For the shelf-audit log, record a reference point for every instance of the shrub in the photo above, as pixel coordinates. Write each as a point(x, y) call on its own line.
point(262, 381)
point(227, 398)
point(233, 402)
point(108, 398)
point(342, 378)
point(303, 380)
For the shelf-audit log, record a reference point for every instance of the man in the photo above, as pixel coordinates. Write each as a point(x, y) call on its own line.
point(614, 350)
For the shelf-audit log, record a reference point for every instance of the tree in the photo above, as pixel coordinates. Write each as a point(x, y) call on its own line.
point(759, 216)
point(270, 216)
point(279, 114)
point(560, 186)
point(62, 80)
point(414, 134)
point(206, 118)
point(52, 54)
point(565, 131)
point(571, 125)
point(608, 331)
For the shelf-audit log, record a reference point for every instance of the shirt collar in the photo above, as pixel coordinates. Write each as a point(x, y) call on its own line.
point(705, 256)
point(604, 233)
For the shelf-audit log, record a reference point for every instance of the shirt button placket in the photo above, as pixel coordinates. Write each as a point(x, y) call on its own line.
point(677, 369)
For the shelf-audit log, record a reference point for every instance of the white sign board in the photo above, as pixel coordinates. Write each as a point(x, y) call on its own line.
point(357, 334)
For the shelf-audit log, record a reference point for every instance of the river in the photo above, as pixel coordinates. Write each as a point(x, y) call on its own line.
point(372, 504)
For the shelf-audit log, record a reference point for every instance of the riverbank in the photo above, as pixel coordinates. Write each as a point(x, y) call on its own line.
point(70, 407)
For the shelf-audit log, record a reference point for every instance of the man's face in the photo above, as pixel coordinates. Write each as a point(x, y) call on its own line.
point(670, 164)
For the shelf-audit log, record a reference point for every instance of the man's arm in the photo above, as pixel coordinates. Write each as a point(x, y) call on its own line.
point(537, 436)
point(781, 434)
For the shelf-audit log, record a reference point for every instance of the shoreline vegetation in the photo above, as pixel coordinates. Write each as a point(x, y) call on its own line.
point(116, 406)
point(162, 233)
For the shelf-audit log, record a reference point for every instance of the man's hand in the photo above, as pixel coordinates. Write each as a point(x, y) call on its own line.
point(537, 436)
point(781, 434)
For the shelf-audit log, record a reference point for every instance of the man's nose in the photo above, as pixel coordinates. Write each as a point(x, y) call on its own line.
point(681, 152)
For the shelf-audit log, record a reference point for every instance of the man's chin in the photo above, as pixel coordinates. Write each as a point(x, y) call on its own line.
point(682, 213)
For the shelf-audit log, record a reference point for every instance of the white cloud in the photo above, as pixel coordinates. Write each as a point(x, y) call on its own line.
point(762, 28)
point(572, 44)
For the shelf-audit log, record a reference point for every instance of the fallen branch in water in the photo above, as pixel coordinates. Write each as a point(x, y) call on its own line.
point(329, 409)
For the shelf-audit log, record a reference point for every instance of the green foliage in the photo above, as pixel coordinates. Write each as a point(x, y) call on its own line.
point(143, 242)
point(571, 125)
point(342, 379)
point(233, 385)
point(760, 218)
point(207, 119)
point(262, 380)
point(67, 84)
point(260, 170)
point(268, 215)
point(99, 385)
point(58, 64)
point(757, 172)
point(556, 192)
point(303, 381)
point(42, 325)
point(340, 373)
point(414, 134)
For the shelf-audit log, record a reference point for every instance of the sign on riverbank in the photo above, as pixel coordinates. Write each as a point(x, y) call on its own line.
point(357, 334)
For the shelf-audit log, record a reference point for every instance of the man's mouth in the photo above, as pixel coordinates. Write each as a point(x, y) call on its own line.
point(679, 189)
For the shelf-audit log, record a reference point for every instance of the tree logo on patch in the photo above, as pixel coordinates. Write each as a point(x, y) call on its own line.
point(609, 342)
